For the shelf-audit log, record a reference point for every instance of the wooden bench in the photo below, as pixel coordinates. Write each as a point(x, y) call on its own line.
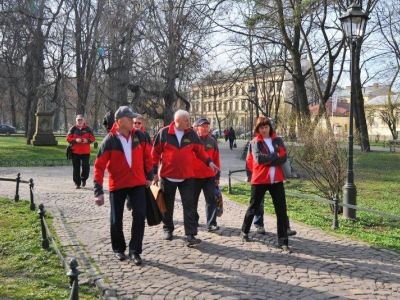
point(393, 144)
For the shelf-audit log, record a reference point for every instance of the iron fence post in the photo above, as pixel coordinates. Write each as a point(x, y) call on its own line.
point(31, 186)
point(16, 198)
point(229, 182)
point(335, 224)
point(45, 241)
point(73, 274)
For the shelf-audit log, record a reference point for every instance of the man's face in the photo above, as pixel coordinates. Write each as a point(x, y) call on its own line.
point(80, 122)
point(203, 129)
point(182, 123)
point(137, 123)
point(125, 124)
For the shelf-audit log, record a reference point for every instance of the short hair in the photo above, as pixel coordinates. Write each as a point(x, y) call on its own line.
point(180, 113)
point(139, 117)
point(262, 121)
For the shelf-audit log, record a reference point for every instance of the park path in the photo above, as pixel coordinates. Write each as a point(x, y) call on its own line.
point(321, 266)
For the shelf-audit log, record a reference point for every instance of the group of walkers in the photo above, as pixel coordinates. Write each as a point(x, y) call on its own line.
point(178, 158)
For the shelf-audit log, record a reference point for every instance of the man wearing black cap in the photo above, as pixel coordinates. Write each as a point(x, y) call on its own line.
point(204, 178)
point(80, 136)
point(125, 152)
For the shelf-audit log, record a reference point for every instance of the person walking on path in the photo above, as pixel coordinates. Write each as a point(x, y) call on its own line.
point(267, 153)
point(204, 178)
point(138, 124)
point(80, 136)
point(125, 152)
point(226, 134)
point(175, 145)
point(231, 137)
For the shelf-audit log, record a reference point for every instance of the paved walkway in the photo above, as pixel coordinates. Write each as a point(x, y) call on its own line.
point(222, 266)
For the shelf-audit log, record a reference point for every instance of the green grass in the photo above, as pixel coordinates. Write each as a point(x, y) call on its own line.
point(377, 178)
point(26, 270)
point(15, 152)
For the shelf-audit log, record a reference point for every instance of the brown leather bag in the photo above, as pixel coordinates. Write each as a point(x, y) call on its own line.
point(158, 195)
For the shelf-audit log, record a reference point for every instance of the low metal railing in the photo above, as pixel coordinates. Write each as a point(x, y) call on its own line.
point(73, 273)
point(335, 202)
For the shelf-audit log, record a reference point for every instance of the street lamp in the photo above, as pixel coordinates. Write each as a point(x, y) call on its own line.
point(252, 92)
point(353, 22)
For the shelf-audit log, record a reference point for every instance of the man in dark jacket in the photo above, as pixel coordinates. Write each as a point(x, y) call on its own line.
point(125, 152)
point(175, 145)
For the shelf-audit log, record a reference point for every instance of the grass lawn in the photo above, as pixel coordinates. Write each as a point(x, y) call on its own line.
point(15, 150)
point(26, 270)
point(377, 177)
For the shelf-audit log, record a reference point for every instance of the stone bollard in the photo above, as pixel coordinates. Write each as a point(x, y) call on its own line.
point(16, 198)
point(73, 274)
point(31, 186)
point(45, 241)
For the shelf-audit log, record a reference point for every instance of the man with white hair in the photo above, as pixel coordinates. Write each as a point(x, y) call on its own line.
point(175, 145)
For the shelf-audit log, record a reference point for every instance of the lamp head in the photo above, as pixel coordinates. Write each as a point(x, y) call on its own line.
point(354, 21)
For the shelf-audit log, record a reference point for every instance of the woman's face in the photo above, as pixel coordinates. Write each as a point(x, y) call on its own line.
point(264, 131)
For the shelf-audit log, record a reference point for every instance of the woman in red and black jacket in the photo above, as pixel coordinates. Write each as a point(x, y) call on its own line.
point(266, 155)
point(80, 136)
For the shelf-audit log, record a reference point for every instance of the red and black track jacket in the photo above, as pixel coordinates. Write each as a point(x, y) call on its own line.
point(260, 159)
point(211, 148)
point(177, 160)
point(111, 156)
point(84, 133)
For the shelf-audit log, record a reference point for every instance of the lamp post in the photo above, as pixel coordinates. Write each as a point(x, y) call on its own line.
point(252, 92)
point(353, 23)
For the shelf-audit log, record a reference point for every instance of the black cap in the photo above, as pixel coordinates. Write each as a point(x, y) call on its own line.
point(125, 111)
point(200, 122)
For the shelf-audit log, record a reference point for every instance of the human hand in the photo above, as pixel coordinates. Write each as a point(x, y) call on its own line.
point(99, 200)
point(148, 183)
point(155, 180)
point(214, 167)
point(217, 182)
point(78, 140)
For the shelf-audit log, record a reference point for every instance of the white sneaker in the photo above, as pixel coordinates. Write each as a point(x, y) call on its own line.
point(261, 230)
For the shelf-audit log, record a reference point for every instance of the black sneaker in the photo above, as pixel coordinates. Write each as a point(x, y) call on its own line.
point(291, 232)
point(77, 186)
point(213, 228)
point(245, 237)
point(168, 236)
point(191, 240)
point(83, 183)
point(120, 256)
point(137, 260)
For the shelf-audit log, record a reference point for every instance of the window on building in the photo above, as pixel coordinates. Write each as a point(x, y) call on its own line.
point(219, 106)
point(231, 91)
point(225, 106)
point(209, 93)
point(243, 105)
point(237, 90)
point(243, 91)
point(237, 105)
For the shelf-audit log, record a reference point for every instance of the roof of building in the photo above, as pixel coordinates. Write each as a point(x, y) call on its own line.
point(383, 100)
point(341, 109)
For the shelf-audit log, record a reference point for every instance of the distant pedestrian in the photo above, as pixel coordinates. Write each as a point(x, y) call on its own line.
point(204, 178)
point(175, 145)
point(231, 137)
point(226, 134)
point(125, 153)
point(267, 153)
point(108, 120)
point(80, 136)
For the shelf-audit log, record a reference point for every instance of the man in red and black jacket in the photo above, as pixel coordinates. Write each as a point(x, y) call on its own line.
point(204, 178)
point(125, 152)
point(175, 145)
point(80, 136)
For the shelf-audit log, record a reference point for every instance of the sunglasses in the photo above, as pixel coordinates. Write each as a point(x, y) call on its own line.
point(137, 123)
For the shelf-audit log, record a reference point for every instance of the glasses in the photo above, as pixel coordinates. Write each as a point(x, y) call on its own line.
point(139, 123)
